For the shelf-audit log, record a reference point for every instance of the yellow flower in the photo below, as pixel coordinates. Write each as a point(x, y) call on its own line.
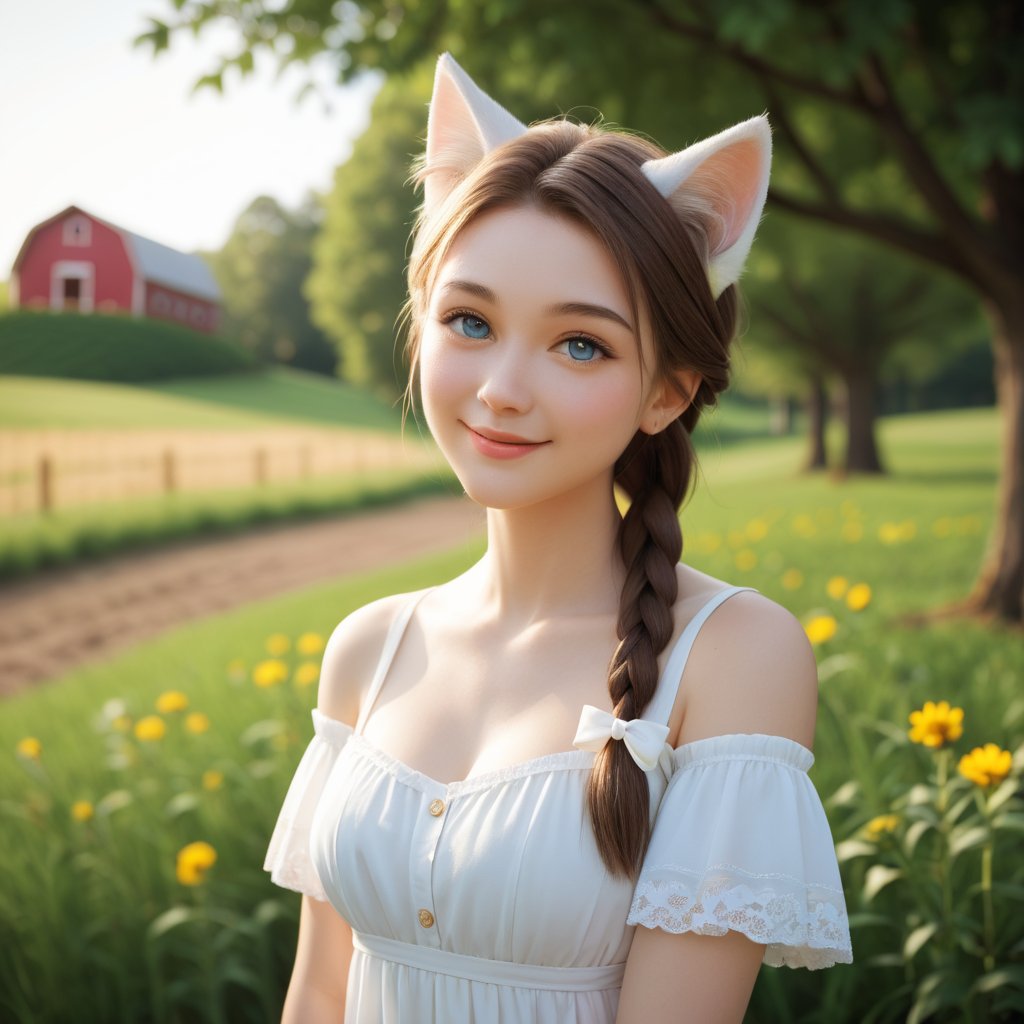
point(122, 723)
point(792, 578)
point(851, 531)
point(213, 779)
point(269, 673)
point(757, 529)
point(278, 644)
point(883, 823)
point(197, 722)
point(987, 765)
point(172, 700)
point(836, 587)
point(152, 727)
point(81, 810)
point(943, 526)
point(194, 861)
point(803, 525)
point(310, 643)
point(30, 747)
point(236, 670)
point(746, 559)
point(820, 629)
point(709, 543)
point(307, 673)
point(858, 596)
point(936, 724)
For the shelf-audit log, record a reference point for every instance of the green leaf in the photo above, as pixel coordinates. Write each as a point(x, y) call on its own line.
point(966, 839)
point(1010, 822)
point(1004, 792)
point(1012, 976)
point(844, 795)
point(181, 804)
point(917, 939)
point(915, 834)
point(877, 878)
point(170, 919)
point(867, 919)
point(850, 848)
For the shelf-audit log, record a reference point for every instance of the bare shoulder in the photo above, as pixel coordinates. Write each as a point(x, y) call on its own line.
point(351, 655)
point(751, 669)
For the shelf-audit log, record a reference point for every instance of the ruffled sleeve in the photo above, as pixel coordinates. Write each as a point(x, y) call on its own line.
point(288, 859)
point(741, 842)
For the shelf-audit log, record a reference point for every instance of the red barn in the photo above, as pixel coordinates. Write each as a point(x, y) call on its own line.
point(76, 261)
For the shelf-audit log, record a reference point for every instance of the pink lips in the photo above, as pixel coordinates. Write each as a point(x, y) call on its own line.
point(499, 445)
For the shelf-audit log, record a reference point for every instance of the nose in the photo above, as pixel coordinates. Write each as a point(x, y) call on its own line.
point(506, 387)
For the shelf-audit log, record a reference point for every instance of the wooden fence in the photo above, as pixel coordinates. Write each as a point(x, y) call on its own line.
point(44, 470)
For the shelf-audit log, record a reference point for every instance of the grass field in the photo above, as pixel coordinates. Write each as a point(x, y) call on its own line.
point(115, 933)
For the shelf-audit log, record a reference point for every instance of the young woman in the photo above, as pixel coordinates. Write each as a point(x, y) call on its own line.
point(512, 771)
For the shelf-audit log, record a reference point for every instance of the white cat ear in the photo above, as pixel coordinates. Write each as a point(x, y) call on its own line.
point(463, 125)
point(726, 175)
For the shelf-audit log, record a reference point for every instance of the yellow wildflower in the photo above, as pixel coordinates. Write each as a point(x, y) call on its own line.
point(943, 526)
point(152, 727)
point(987, 765)
point(278, 644)
point(757, 529)
point(270, 672)
point(851, 531)
point(122, 723)
point(837, 586)
point(310, 643)
point(197, 722)
point(803, 525)
point(708, 543)
point(194, 861)
point(307, 673)
point(236, 670)
point(935, 725)
point(858, 597)
point(882, 823)
point(746, 559)
point(81, 810)
point(172, 700)
point(820, 629)
point(30, 747)
point(792, 578)
point(213, 779)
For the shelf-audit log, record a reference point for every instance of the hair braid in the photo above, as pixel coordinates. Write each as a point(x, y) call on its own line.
point(655, 472)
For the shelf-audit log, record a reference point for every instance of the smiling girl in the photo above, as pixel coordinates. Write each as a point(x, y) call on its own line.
point(569, 785)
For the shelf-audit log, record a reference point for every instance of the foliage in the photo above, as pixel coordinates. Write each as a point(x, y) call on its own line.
point(357, 285)
point(97, 346)
point(260, 270)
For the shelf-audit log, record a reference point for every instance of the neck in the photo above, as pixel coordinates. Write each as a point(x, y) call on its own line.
point(554, 559)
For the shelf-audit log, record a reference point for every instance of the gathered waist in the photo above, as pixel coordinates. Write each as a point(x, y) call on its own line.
point(491, 972)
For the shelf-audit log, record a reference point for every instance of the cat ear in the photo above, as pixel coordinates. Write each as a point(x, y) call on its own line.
point(463, 125)
point(728, 175)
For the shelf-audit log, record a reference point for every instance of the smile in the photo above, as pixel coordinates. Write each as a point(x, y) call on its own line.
point(496, 444)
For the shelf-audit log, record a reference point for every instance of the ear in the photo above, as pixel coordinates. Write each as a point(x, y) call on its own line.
point(668, 400)
point(463, 125)
point(727, 175)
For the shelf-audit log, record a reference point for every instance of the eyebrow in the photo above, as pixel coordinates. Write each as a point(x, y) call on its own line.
point(559, 309)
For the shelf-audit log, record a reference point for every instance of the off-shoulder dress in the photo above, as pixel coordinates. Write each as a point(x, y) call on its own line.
point(485, 901)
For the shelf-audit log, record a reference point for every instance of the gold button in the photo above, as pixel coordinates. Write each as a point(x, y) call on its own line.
point(436, 808)
point(426, 918)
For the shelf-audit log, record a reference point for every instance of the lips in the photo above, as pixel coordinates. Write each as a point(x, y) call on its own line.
point(499, 444)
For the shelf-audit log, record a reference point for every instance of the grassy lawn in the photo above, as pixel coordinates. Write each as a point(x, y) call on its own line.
point(113, 934)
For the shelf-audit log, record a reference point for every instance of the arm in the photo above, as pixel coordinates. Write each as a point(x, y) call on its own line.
point(766, 684)
point(316, 991)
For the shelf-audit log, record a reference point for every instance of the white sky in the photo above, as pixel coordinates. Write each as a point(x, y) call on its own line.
point(85, 118)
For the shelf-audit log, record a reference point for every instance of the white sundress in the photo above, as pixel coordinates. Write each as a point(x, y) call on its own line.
point(485, 901)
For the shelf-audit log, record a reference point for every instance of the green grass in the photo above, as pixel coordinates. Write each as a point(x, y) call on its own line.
point(98, 946)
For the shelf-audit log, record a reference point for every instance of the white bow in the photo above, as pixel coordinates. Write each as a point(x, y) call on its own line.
point(644, 740)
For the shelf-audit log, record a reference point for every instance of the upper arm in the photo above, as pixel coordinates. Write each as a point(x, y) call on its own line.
point(751, 670)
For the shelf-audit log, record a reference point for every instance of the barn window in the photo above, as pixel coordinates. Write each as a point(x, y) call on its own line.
point(77, 231)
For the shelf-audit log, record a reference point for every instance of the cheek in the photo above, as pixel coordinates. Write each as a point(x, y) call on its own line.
point(443, 377)
point(608, 408)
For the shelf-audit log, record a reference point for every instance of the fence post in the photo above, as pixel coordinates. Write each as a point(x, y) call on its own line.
point(170, 479)
point(46, 483)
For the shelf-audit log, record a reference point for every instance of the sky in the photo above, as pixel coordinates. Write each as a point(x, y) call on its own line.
point(89, 120)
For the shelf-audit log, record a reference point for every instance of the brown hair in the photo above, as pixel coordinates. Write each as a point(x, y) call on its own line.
point(592, 175)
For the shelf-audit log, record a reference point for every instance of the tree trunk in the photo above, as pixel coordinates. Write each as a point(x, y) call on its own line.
point(999, 587)
point(817, 407)
point(861, 449)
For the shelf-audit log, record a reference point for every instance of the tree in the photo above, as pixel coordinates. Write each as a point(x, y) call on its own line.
point(357, 284)
point(261, 269)
point(930, 92)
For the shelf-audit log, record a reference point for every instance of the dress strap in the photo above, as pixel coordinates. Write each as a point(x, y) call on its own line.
point(394, 637)
point(660, 707)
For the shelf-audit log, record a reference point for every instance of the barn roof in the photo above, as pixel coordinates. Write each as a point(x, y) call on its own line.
point(156, 262)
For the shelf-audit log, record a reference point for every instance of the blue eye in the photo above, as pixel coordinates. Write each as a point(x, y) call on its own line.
point(582, 350)
point(470, 323)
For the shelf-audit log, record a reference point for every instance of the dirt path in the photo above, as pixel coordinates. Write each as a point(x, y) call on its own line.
point(61, 619)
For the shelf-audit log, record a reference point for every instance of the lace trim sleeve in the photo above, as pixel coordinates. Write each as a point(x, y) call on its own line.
point(288, 855)
point(742, 843)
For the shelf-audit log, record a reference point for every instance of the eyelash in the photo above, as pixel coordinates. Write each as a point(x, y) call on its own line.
point(600, 346)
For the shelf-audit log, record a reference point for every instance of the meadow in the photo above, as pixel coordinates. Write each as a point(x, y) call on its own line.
point(138, 796)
